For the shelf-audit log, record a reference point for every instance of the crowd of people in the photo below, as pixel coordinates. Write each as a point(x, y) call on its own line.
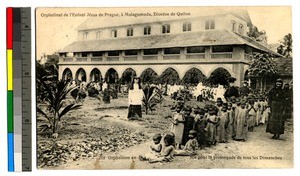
point(232, 116)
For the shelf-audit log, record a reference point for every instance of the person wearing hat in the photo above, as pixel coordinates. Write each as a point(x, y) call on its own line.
point(135, 100)
point(276, 122)
point(231, 91)
point(244, 90)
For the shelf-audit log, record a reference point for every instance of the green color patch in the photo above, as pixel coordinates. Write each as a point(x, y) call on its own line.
point(10, 112)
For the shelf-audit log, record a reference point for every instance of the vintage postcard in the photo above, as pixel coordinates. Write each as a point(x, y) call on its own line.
point(164, 88)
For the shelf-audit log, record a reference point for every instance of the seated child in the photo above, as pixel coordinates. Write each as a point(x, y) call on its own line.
point(155, 148)
point(190, 147)
point(167, 153)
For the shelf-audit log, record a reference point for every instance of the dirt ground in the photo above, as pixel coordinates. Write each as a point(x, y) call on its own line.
point(97, 120)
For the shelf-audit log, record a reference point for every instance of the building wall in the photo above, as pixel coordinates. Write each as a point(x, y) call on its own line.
point(198, 24)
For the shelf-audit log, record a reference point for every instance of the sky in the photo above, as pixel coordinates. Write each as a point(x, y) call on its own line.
point(54, 33)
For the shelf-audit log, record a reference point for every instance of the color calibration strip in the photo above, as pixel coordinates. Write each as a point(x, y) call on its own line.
point(19, 88)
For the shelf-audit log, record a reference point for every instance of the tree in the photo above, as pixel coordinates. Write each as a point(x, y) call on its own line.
point(285, 47)
point(220, 76)
point(152, 97)
point(169, 76)
point(193, 76)
point(262, 67)
point(257, 35)
point(56, 106)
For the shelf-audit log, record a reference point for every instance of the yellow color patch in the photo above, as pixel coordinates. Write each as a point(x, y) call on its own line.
point(9, 69)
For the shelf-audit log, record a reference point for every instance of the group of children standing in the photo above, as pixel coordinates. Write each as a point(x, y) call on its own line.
point(196, 128)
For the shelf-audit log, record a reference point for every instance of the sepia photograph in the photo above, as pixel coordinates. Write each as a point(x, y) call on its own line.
point(164, 87)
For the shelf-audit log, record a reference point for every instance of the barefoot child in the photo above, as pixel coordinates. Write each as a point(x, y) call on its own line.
point(190, 147)
point(167, 153)
point(241, 122)
point(177, 126)
point(200, 126)
point(155, 148)
point(212, 122)
point(223, 124)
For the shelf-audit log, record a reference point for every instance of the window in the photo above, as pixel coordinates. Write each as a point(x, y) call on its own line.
point(130, 32)
point(165, 28)
point(222, 49)
point(195, 49)
point(113, 53)
point(241, 29)
point(131, 52)
point(172, 50)
point(85, 35)
point(96, 54)
point(84, 54)
point(63, 54)
point(114, 33)
point(233, 26)
point(147, 30)
point(187, 26)
point(150, 51)
point(210, 24)
point(98, 35)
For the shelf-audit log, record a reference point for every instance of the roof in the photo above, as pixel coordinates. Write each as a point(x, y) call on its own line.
point(284, 66)
point(185, 39)
point(147, 16)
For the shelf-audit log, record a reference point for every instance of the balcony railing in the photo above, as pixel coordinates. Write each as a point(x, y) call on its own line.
point(171, 57)
point(68, 59)
point(81, 59)
point(150, 57)
point(195, 56)
point(96, 59)
point(113, 58)
point(130, 58)
point(221, 55)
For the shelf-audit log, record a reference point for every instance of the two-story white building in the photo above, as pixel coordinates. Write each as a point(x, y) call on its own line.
point(207, 43)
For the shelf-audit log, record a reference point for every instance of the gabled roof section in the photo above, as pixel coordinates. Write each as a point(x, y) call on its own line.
point(284, 66)
point(202, 38)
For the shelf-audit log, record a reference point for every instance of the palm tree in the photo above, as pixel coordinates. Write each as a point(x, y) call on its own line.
point(56, 93)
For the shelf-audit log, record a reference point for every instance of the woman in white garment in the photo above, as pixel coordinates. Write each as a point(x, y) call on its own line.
point(135, 100)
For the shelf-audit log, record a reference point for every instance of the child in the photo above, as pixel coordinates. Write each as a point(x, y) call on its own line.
point(178, 126)
point(199, 126)
point(212, 122)
point(241, 122)
point(230, 119)
point(219, 104)
point(252, 115)
point(167, 153)
point(190, 147)
point(223, 124)
point(188, 124)
point(155, 148)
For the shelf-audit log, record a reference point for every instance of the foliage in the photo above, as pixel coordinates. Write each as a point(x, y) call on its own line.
point(127, 76)
point(286, 46)
point(262, 65)
point(193, 76)
point(257, 35)
point(92, 91)
point(220, 76)
point(152, 97)
point(169, 76)
point(56, 106)
point(149, 76)
point(106, 96)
